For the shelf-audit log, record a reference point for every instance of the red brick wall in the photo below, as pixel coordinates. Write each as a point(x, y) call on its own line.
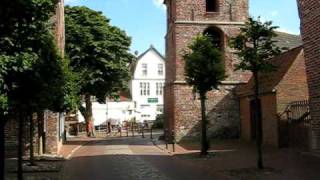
point(310, 29)
point(293, 86)
point(245, 119)
point(59, 26)
point(53, 143)
point(237, 8)
point(188, 19)
point(269, 119)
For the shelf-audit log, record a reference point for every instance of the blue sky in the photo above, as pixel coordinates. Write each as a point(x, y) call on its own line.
point(145, 20)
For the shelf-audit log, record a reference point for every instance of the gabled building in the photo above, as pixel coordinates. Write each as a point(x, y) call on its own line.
point(281, 93)
point(146, 86)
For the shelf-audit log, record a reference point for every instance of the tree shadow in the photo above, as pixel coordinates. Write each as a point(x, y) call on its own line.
point(222, 114)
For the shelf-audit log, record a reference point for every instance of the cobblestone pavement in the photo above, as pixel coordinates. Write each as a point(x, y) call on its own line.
point(130, 158)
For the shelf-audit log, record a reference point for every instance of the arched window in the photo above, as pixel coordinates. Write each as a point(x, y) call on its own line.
point(216, 35)
point(212, 5)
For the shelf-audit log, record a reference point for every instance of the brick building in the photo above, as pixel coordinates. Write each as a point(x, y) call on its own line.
point(185, 20)
point(278, 90)
point(310, 30)
point(221, 19)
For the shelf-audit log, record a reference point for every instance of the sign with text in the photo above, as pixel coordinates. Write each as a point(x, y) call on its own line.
point(152, 100)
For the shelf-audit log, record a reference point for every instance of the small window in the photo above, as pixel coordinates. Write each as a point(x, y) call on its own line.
point(160, 69)
point(160, 109)
point(212, 5)
point(159, 89)
point(144, 69)
point(144, 89)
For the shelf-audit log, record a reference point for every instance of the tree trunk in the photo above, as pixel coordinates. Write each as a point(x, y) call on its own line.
point(258, 118)
point(20, 145)
point(88, 116)
point(2, 144)
point(204, 140)
point(32, 163)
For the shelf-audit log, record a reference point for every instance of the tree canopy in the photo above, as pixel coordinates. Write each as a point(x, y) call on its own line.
point(32, 73)
point(204, 68)
point(98, 51)
point(255, 45)
point(204, 71)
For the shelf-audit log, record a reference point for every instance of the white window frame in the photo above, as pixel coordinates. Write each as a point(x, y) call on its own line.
point(144, 67)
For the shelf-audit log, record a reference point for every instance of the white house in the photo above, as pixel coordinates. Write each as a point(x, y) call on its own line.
point(147, 85)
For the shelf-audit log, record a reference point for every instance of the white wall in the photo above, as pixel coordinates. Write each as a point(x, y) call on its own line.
point(118, 111)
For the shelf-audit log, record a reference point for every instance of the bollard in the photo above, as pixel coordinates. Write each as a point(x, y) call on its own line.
point(151, 133)
point(120, 132)
point(166, 137)
point(132, 130)
point(127, 131)
point(142, 132)
point(173, 141)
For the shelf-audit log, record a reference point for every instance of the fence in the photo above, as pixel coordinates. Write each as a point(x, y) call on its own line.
point(294, 125)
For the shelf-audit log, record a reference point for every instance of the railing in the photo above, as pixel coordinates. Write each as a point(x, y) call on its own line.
point(294, 125)
point(297, 112)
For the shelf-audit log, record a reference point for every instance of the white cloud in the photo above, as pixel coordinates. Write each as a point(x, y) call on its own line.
point(159, 4)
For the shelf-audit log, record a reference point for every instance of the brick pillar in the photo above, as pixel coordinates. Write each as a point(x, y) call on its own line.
point(52, 121)
point(309, 11)
point(59, 26)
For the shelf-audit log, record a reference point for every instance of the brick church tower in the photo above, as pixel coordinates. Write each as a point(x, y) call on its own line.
point(186, 19)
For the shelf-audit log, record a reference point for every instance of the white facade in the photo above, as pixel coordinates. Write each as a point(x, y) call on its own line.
point(147, 85)
point(115, 112)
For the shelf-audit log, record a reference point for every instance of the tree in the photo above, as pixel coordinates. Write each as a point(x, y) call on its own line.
point(99, 53)
point(204, 70)
point(32, 74)
point(256, 46)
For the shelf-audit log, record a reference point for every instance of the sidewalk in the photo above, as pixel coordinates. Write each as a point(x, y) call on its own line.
point(238, 159)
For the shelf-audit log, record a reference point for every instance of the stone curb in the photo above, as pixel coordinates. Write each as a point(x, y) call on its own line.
point(155, 143)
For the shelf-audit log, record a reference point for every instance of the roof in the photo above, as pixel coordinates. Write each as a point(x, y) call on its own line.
point(151, 48)
point(290, 41)
point(269, 81)
point(124, 96)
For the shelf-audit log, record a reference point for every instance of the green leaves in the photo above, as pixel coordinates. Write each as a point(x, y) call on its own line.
point(32, 73)
point(255, 45)
point(98, 52)
point(204, 69)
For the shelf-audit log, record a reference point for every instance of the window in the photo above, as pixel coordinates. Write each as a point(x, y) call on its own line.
point(212, 5)
point(160, 108)
point(144, 88)
point(148, 88)
point(160, 69)
point(216, 35)
point(144, 69)
point(159, 88)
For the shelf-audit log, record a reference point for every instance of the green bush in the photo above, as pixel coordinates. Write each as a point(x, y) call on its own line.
point(159, 122)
